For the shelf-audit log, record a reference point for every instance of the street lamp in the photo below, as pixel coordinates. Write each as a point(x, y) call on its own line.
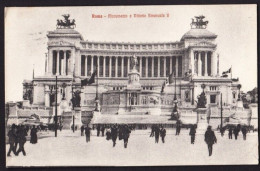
point(175, 113)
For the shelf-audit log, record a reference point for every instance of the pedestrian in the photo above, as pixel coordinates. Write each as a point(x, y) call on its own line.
point(222, 131)
point(192, 133)
point(163, 133)
point(103, 130)
point(87, 133)
point(33, 135)
point(61, 127)
point(210, 139)
point(236, 131)
point(98, 130)
point(120, 132)
point(16, 137)
point(178, 127)
point(244, 132)
point(21, 134)
point(12, 138)
point(152, 130)
point(82, 130)
point(230, 132)
point(126, 134)
point(108, 134)
point(157, 133)
point(114, 132)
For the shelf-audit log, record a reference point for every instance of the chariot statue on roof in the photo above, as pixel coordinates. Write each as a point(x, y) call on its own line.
point(66, 23)
point(199, 23)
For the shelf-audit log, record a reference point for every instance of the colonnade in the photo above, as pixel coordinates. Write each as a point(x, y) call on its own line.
point(119, 66)
point(59, 62)
point(203, 63)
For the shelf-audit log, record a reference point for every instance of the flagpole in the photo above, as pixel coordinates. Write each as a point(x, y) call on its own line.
point(231, 72)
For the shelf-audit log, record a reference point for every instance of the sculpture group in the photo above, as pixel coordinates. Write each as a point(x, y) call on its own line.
point(66, 23)
point(199, 23)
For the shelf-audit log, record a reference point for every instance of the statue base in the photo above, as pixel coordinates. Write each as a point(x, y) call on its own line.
point(202, 122)
point(77, 119)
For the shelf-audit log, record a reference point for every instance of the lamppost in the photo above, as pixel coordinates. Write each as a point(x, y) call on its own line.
point(175, 101)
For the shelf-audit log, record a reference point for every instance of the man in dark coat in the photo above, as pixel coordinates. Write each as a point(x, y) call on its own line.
point(236, 131)
point(210, 139)
point(98, 130)
point(114, 132)
point(87, 133)
point(120, 132)
point(33, 135)
point(12, 138)
point(244, 132)
point(103, 130)
point(163, 133)
point(82, 130)
point(157, 133)
point(152, 130)
point(192, 133)
point(126, 133)
point(178, 127)
point(21, 134)
point(230, 132)
point(222, 131)
point(108, 134)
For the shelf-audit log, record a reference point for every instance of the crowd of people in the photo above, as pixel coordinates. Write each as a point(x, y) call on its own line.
point(17, 136)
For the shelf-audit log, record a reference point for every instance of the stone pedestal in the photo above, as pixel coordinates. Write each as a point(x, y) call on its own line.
point(240, 105)
point(26, 103)
point(77, 118)
point(202, 123)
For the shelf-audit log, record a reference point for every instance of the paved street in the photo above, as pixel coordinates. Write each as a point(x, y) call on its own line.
point(70, 149)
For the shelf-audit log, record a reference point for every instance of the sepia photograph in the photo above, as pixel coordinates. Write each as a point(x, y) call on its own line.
point(158, 85)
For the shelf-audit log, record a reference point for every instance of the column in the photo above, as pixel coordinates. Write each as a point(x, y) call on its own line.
point(58, 95)
point(159, 61)
point(199, 64)
point(213, 63)
point(192, 63)
point(170, 64)
point(140, 66)
point(47, 99)
point(46, 63)
point(177, 66)
point(146, 66)
point(58, 63)
point(128, 64)
point(152, 66)
point(122, 66)
point(110, 66)
point(116, 58)
point(206, 63)
point(64, 62)
point(92, 65)
point(104, 66)
point(50, 60)
point(164, 66)
point(86, 65)
point(98, 64)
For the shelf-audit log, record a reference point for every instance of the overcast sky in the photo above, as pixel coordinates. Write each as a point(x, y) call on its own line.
point(26, 41)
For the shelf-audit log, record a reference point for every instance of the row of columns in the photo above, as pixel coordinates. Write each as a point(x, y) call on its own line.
point(196, 63)
point(175, 69)
point(62, 66)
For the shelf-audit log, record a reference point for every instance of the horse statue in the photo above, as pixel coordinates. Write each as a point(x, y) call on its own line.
point(66, 23)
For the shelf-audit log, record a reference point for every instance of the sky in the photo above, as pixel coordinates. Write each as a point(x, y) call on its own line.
point(26, 41)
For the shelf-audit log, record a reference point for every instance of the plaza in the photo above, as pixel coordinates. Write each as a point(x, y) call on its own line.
point(71, 149)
